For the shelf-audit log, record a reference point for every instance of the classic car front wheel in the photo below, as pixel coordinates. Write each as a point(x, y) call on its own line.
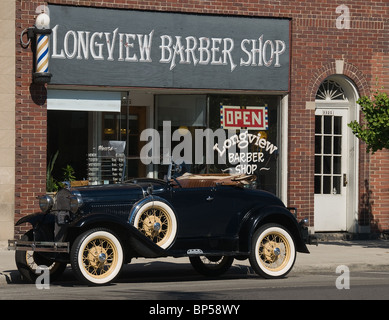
point(211, 265)
point(273, 251)
point(97, 256)
point(157, 221)
point(28, 262)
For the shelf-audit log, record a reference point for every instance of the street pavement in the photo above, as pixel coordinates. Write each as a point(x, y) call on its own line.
point(357, 255)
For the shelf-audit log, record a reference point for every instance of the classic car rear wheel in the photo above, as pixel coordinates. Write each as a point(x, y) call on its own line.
point(211, 265)
point(273, 251)
point(97, 256)
point(27, 262)
point(157, 221)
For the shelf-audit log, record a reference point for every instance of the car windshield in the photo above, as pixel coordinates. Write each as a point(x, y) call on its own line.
point(176, 170)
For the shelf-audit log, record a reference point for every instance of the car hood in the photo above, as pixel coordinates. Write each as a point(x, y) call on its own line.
point(110, 193)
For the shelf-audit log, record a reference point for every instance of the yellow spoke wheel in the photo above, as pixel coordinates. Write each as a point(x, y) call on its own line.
point(273, 251)
point(156, 224)
point(97, 256)
point(157, 221)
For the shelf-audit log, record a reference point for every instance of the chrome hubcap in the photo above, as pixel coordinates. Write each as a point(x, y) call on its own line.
point(157, 226)
point(102, 257)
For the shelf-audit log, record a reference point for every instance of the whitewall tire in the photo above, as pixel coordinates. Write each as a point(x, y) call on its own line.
point(273, 251)
point(157, 221)
point(97, 256)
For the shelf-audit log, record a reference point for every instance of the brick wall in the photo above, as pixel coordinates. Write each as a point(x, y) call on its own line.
point(30, 123)
point(375, 198)
point(316, 44)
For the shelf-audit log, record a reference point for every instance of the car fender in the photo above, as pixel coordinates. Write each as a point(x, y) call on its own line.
point(128, 234)
point(35, 218)
point(138, 205)
point(257, 217)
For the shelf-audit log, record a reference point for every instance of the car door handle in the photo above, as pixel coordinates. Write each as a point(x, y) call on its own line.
point(209, 198)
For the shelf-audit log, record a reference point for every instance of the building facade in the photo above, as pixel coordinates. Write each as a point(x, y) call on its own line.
point(134, 83)
point(7, 119)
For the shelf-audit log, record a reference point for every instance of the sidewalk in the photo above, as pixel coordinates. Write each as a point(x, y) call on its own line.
point(357, 255)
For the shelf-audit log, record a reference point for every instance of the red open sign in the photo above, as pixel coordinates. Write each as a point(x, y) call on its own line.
point(251, 118)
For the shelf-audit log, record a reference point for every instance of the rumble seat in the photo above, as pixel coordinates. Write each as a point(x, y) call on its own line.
point(189, 180)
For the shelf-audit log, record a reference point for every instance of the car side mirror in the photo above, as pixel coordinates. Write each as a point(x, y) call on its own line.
point(150, 190)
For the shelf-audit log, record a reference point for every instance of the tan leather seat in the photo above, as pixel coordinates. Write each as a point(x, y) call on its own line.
point(189, 180)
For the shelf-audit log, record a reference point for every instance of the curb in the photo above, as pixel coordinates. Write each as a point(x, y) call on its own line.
point(5, 278)
point(331, 268)
point(11, 274)
point(10, 277)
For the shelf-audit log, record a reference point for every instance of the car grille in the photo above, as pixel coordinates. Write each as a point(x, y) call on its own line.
point(62, 200)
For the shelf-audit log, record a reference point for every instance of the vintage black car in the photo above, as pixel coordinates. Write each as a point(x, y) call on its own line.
point(212, 219)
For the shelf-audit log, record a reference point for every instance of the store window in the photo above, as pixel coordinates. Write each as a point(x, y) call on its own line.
point(194, 113)
point(104, 147)
point(99, 147)
point(267, 172)
point(114, 145)
point(178, 116)
point(67, 145)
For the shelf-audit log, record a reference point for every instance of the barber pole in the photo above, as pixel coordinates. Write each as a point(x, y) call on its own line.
point(42, 53)
point(42, 31)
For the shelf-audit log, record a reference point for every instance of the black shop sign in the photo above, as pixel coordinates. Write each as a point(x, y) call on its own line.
point(110, 47)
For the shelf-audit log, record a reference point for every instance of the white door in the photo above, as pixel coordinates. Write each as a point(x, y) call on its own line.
point(330, 169)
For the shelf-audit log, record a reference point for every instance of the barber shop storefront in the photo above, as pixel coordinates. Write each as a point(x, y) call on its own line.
point(266, 90)
point(131, 91)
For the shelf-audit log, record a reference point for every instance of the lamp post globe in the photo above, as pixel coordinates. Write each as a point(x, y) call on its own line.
point(42, 21)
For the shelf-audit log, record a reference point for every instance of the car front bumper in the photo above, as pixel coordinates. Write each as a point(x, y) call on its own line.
point(41, 246)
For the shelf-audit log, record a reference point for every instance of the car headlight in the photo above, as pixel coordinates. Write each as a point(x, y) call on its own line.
point(45, 203)
point(75, 203)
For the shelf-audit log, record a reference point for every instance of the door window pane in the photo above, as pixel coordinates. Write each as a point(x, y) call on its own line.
point(326, 165)
point(337, 145)
point(327, 144)
point(317, 184)
point(327, 124)
point(318, 164)
point(326, 185)
point(336, 185)
point(318, 124)
point(318, 144)
point(328, 154)
point(337, 165)
point(337, 125)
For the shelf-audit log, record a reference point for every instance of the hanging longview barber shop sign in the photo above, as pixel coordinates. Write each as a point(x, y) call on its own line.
point(96, 46)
